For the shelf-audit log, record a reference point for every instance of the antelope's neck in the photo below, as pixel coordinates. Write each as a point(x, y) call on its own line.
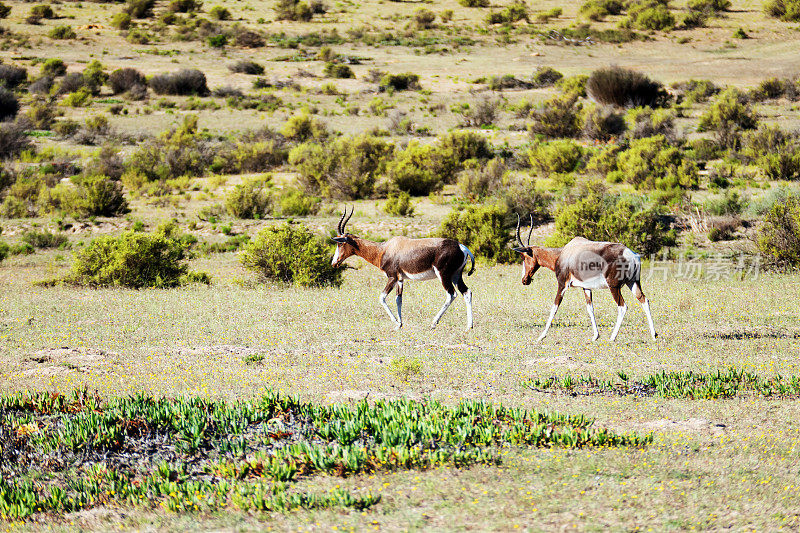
point(369, 251)
point(548, 256)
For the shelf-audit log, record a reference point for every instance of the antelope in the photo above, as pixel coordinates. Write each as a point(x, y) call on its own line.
point(401, 259)
point(588, 265)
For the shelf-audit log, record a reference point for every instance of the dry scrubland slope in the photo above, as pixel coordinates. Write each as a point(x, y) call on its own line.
point(724, 457)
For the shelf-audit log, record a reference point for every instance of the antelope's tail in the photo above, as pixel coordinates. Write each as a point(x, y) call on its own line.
point(468, 254)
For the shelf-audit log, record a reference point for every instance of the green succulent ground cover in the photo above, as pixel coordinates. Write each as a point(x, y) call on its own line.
point(62, 453)
point(689, 384)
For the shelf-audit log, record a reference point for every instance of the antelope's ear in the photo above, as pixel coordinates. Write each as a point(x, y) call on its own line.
point(522, 249)
point(341, 239)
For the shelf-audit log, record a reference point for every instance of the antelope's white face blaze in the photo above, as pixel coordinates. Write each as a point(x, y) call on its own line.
point(336, 255)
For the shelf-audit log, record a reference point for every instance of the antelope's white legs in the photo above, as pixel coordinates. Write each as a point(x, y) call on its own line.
point(447, 302)
point(590, 310)
point(382, 300)
point(399, 301)
point(549, 322)
point(646, 307)
point(620, 315)
point(468, 299)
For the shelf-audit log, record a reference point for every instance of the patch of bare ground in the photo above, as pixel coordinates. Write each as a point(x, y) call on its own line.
point(61, 361)
point(693, 425)
point(566, 361)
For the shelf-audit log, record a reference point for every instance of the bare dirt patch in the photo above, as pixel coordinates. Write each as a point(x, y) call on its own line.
point(60, 361)
point(694, 425)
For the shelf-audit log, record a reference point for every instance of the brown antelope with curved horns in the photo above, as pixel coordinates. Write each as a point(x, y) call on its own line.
point(588, 265)
point(401, 259)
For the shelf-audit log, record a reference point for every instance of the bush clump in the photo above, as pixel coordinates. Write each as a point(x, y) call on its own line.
point(346, 168)
point(603, 124)
point(652, 163)
point(303, 127)
point(399, 205)
point(728, 116)
point(125, 79)
point(338, 70)
point(139, 9)
point(245, 66)
point(181, 83)
point(546, 77)
point(561, 156)
point(509, 15)
point(292, 254)
point(484, 229)
point(401, 82)
point(625, 88)
point(11, 76)
point(44, 239)
point(54, 67)
point(779, 235)
point(558, 117)
point(62, 31)
point(785, 10)
point(293, 10)
point(600, 216)
point(4, 249)
point(420, 169)
point(9, 105)
point(251, 199)
point(133, 260)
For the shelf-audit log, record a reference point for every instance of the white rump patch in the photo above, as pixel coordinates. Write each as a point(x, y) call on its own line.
point(420, 276)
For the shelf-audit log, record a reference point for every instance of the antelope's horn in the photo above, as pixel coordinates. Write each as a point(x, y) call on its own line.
point(348, 218)
point(531, 230)
point(339, 225)
point(519, 239)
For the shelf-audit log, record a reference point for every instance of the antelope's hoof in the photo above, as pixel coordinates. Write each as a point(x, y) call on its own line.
point(398, 326)
point(595, 337)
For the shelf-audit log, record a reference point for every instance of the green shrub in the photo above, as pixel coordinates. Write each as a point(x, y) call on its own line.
point(5, 10)
point(337, 70)
point(244, 156)
point(461, 146)
point(121, 21)
point(625, 88)
point(12, 76)
point(484, 229)
point(80, 98)
point(102, 197)
point(558, 117)
point(44, 239)
point(293, 202)
point(218, 40)
point(293, 10)
point(651, 163)
point(346, 168)
point(303, 127)
point(723, 228)
point(774, 88)
point(599, 9)
point(521, 196)
point(785, 10)
point(245, 66)
point(173, 154)
point(605, 217)
point(602, 123)
point(54, 67)
point(62, 32)
point(709, 5)
point(656, 17)
point(729, 203)
point(251, 199)
point(401, 82)
point(423, 18)
point(399, 205)
point(783, 164)
point(139, 9)
point(181, 83)
point(481, 181)
point(649, 122)
point(132, 260)
point(728, 116)
point(561, 156)
point(292, 254)
point(509, 15)
point(697, 91)
point(185, 6)
point(779, 235)
point(482, 112)
point(42, 11)
point(420, 169)
point(573, 85)
point(474, 3)
point(9, 105)
point(94, 77)
point(4, 249)
point(546, 77)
